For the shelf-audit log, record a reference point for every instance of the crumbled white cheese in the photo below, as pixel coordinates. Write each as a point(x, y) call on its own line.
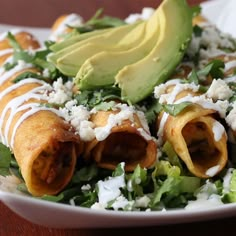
point(86, 130)
point(60, 92)
point(146, 13)
point(9, 184)
point(212, 37)
point(219, 89)
point(97, 206)
point(213, 201)
point(122, 203)
point(142, 201)
point(209, 45)
point(207, 197)
point(86, 187)
point(46, 73)
point(126, 113)
point(78, 117)
point(109, 189)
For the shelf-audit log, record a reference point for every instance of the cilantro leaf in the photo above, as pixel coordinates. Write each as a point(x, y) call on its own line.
point(36, 58)
point(5, 160)
point(102, 99)
point(196, 10)
point(153, 110)
point(175, 109)
point(105, 106)
point(97, 22)
point(213, 68)
point(197, 30)
point(27, 74)
point(12, 41)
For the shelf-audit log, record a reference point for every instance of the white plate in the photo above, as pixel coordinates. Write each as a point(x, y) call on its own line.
point(57, 215)
point(64, 216)
point(41, 34)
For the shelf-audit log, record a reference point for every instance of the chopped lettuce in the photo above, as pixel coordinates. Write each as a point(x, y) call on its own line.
point(231, 195)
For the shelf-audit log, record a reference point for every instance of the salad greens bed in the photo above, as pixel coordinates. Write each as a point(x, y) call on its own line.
point(166, 185)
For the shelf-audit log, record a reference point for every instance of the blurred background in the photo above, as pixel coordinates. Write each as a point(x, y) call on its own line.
point(42, 13)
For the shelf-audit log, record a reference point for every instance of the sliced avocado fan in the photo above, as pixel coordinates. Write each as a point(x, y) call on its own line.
point(138, 80)
point(100, 70)
point(70, 59)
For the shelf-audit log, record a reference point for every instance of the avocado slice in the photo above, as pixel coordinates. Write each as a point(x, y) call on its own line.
point(75, 39)
point(138, 80)
point(101, 69)
point(69, 60)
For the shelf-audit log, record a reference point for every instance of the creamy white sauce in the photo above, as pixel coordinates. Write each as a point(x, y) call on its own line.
point(19, 84)
point(9, 59)
point(126, 113)
point(213, 171)
point(230, 65)
point(6, 51)
point(218, 131)
point(230, 79)
point(207, 197)
point(73, 20)
point(161, 127)
point(211, 202)
point(17, 104)
point(13, 71)
point(27, 114)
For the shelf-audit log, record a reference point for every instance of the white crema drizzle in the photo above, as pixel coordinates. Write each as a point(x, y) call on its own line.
point(201, 100)
point(13, 71)
point(27, 114)
point(17, 104)
point(6, 51)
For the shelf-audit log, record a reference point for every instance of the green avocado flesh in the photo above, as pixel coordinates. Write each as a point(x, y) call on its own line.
point(69, 59)
point(134, 57)
point(138, 80)
point(100, 70)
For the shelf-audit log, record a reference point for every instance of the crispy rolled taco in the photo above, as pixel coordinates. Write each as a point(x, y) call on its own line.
point(64, 24)
point(44, 146)
point(195, 134)
point(120, 140)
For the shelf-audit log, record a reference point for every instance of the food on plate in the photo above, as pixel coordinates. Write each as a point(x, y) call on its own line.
point(71, 58)
point(64, 25)
point(121, 135)
point(44, 146)
point(122, 115)
point(195, 134)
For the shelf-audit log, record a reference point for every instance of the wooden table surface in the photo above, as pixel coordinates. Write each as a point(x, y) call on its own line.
point(43, 13)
